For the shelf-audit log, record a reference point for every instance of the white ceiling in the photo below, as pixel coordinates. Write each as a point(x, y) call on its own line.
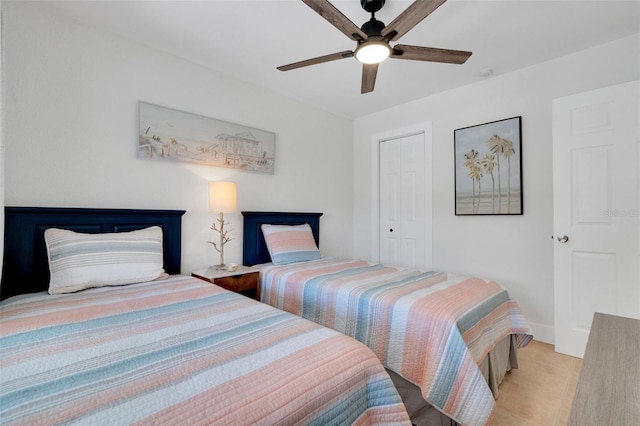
point(249, 39)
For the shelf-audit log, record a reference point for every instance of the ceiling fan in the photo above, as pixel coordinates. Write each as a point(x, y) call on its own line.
point(373, 38)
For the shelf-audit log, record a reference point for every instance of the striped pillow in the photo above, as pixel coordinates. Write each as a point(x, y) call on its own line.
point(290, 243)
point(78, 261)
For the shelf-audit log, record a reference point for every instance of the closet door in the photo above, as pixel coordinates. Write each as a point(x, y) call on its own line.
point(403, 214)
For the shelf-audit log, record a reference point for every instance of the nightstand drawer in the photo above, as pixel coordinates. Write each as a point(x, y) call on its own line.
point(244, 280)
point(239, 282)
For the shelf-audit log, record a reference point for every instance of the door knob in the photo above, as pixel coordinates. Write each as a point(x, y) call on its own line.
point(563, 239)
point(391, 230)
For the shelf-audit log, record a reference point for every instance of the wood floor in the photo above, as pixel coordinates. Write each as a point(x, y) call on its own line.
point(540, 391)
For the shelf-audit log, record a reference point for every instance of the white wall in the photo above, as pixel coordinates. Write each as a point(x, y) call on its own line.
point(71, 132)
point(516, 251)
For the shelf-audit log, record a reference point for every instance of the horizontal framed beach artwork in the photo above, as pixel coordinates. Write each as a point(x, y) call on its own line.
point(169, 134)
point(488, 168)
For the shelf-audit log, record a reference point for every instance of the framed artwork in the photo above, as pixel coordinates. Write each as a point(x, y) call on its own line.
point(169, 134)
point(488, 168)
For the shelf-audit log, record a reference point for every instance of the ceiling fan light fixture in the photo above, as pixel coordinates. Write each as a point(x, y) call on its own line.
point(373, 52)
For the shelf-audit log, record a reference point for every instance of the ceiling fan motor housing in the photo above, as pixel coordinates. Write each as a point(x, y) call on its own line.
point(372, 27)
point(372, 6)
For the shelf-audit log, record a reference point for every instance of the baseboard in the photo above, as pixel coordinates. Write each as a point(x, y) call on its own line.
point(543, 333)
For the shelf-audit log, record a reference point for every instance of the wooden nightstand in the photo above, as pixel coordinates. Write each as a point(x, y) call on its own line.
point(243, 281)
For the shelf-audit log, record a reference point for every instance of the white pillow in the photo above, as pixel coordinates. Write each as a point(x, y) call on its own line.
point(290, 243)
point(78, 261)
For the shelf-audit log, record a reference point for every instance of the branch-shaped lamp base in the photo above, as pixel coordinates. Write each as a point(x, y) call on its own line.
point(224, 238)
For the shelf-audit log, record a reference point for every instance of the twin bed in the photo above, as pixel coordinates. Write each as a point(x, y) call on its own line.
point(179, 350)
point(446, 340)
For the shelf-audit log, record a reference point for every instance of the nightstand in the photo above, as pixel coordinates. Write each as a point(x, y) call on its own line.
point(244, 280)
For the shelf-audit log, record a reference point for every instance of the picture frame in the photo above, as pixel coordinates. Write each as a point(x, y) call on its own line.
point(169, 134)
point(488, 168)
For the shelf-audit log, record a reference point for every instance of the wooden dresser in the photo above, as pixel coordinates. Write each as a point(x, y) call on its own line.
point(608, 390)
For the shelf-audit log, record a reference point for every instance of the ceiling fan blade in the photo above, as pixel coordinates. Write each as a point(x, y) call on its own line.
point(318, 60)
point(369, 72)
point(336, 18)
point(411, 17)
point(431, 54)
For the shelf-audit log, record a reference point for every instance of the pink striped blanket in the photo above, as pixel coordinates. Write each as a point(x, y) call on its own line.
point(182, 351)
point(430, 327)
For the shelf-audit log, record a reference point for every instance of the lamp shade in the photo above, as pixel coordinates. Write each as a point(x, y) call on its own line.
point(222, 197)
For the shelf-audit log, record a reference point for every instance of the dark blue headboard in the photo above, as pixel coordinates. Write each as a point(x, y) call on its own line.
point(254, 249)
point(26, 268)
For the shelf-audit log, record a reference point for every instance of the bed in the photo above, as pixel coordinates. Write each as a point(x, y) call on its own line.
point(447, 341)
point(173, 350)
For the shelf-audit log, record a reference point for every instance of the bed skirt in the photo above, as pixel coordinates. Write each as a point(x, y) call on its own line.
point(495, 365)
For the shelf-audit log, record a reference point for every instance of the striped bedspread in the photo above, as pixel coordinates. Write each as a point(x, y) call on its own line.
point(431, 328)
point(181, 351)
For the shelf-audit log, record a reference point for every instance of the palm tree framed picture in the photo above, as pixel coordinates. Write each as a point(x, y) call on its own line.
point(488, 168)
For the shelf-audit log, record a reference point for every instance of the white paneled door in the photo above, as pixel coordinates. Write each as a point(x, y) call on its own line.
point(403, 193)
point(596, 215)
